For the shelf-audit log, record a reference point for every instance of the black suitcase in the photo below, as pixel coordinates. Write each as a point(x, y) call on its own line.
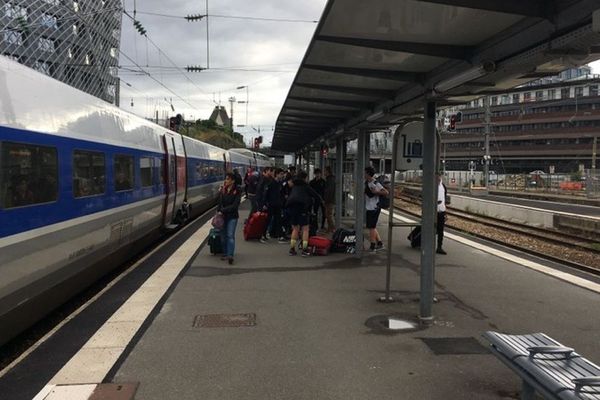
point(214, 241)
point(415, 237)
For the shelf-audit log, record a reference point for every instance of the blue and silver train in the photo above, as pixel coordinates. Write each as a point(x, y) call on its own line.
point(83, 185)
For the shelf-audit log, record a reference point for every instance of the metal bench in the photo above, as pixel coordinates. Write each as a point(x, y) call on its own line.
point(546, 366)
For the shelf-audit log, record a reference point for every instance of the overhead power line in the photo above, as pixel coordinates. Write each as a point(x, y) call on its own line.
point(198, 17)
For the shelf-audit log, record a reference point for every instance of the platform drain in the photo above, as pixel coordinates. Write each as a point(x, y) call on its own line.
point(455, 346)
point(224, 320)
point(394, 323)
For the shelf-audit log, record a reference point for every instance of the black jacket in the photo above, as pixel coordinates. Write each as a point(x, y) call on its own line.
point(329, 195)
point(229, 202)
point(303, 196)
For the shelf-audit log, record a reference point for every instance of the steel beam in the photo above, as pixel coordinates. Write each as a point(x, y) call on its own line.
point(340, 156)
point(380, 93)
point(334, 102)
point(427, 49)
point(321, 111)
point(359, 193)
point(402, 76)
point(529, 8)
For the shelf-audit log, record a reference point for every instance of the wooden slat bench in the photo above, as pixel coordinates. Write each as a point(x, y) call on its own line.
point(546, 366)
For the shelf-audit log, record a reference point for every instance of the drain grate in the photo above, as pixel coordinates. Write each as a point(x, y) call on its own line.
point(224, 320)
point(455, 346)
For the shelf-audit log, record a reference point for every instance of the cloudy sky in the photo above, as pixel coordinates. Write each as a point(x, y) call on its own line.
point(273, 49)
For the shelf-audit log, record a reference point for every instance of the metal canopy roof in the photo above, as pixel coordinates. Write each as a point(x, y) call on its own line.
point(374, 62)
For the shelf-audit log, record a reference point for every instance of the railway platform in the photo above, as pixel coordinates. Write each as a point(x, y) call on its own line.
point(273, 326)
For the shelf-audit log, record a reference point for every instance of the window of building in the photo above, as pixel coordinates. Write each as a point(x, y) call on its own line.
point(515, 98)
point(565, 93)
point(147, 171)
point(28, 175)
point(494, 100)
point(47, 45)
point(52, 2)
point(123, 172)
point(539, 95)
point(75, 29)
point(75, 6)
point(552, 94)
point(15, 11)
point(579, 91)
point(89, 172)
point(49, 21)
point(594, 90)
point(527, 96)
point(13, 37)
point(43, 66)
point(114, 52)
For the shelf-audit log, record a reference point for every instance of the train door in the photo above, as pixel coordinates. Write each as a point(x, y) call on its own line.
point(170, 173)
point(180, 179)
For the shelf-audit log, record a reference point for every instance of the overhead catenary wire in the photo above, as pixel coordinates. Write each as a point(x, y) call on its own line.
point(240, 17)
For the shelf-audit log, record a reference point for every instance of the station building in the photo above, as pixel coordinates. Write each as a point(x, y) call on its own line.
point(548, 125)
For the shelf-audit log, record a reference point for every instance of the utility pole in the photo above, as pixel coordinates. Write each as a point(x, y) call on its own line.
point(207, 40)
point(486, 157)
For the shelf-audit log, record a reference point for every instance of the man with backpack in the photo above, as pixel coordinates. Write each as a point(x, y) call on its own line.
point(373, 192)
point(441, 213)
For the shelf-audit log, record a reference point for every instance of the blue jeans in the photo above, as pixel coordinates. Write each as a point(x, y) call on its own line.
point(228, 236)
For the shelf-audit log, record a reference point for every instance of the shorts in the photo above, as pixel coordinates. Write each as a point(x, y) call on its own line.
point(298, 216)
point(372, 217)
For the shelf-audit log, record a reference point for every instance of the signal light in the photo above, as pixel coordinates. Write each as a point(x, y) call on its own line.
point(173, 124)
point(453, 122)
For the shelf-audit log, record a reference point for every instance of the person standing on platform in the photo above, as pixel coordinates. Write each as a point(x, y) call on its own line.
point(229, 204)
point(373, 190)
point(318, 185)
point(441, 213)
point(329, 198)
point(299, 204)
point(251, 183)
point(238, 177)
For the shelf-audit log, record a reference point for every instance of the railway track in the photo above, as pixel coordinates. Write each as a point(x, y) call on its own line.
point(573, 251)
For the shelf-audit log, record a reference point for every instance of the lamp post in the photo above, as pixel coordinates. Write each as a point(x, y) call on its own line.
point(245, 102)
point(231, 101)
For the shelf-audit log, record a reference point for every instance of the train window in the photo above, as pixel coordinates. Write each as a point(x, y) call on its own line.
point(146, 171)
point(123, 172)
point(88, 173)
point(29, 175)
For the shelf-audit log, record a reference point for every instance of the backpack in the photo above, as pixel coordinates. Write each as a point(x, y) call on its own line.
point(343, 241)
point(384, 201)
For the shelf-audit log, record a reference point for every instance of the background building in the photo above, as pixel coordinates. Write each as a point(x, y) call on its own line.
point(76, 42)
point(548, 126)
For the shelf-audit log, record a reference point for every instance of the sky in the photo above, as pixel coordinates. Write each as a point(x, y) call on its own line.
point(275, 49)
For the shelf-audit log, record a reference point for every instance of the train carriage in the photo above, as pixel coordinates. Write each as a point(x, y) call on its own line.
point(83, 186)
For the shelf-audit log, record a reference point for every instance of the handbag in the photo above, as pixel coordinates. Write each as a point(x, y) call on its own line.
point(218, 221)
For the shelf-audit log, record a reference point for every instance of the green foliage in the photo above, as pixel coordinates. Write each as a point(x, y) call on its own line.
point(209, 132)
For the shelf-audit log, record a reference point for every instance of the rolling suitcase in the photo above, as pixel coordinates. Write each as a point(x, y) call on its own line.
point(319, 245)
point(255, 226)
point(415, 237)
point(214, 241)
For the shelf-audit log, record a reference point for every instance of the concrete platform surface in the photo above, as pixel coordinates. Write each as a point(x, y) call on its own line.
point(311, 339)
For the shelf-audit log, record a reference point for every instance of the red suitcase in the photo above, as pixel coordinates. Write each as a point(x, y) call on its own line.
point(255, 226)
point(319, 245)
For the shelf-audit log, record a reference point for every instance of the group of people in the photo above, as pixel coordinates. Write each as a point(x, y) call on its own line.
point(291, 203)
point(289, 200)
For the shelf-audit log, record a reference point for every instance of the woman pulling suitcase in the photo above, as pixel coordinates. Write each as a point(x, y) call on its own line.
point(229, 204)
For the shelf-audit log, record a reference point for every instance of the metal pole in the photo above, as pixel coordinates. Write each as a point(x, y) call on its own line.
point(359, 193)
point(247, 101)
point(428, 214)
point(207, 40)
point(388, 273)
point(594, 147)
point(486, 157)
point(340, 155)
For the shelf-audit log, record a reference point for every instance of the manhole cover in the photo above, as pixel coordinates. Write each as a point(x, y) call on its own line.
point(224, 320)
point(455, 345)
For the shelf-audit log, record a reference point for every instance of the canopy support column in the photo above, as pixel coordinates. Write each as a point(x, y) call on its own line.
point(340, 156)
point(359, 192)
point(429, 211)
